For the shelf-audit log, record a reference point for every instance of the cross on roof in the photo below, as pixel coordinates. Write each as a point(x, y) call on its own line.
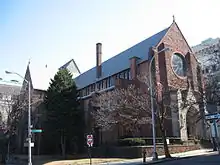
point(173, 18)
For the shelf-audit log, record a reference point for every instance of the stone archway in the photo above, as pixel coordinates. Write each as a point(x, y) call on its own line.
point(188, 125)
point(191, 121)
point(186, 114)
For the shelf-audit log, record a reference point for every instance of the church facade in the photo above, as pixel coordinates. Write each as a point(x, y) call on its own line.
point(177, 70)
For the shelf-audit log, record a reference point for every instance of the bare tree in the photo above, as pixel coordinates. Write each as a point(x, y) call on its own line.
point(9, 101)
point(131, 107)
point(127, 107)
point(160, 97)
point(12, 111)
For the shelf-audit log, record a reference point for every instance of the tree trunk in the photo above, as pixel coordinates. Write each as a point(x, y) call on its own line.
point(166, 148)
point(39, 144)
point(8, 149)
point(63, 145)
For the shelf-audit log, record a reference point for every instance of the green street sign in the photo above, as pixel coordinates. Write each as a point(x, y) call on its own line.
point(36, 130)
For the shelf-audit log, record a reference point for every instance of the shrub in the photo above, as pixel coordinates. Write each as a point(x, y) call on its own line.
point(205, 141)
point(131, 142)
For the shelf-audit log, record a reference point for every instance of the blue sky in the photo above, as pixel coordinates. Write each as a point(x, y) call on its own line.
point(51, 32)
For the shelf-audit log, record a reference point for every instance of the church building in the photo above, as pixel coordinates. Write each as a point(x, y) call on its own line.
point(177, 70)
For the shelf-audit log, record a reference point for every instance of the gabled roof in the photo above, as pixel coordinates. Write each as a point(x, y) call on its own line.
point(66, 65)
point(121, 61)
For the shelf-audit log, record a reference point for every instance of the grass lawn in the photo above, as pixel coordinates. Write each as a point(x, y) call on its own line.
point(81, 161)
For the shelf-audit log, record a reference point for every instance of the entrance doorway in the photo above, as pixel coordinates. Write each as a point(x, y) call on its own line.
point(191, 122)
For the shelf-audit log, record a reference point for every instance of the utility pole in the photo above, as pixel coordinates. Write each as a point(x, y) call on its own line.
point(155, 155)
point(29, 114)
point(29, 123)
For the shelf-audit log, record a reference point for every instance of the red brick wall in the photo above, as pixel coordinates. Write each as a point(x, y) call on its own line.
point(172, 148)
point(137, 151)
point(144, 67)
point(133, 67)
point(174, 40)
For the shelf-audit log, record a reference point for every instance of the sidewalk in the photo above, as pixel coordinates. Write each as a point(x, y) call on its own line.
point(162, 158)
point(139, 161)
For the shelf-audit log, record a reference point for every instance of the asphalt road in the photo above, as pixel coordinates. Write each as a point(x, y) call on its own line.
point(211, 159)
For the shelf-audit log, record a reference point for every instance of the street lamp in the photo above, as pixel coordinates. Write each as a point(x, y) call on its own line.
point(15, 81)
point(155, 156)
point(29, 114)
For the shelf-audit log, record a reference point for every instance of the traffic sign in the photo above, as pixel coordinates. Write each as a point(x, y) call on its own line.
point(90, 140)
point(36, 130)
point(214, 116)
point(26, 144)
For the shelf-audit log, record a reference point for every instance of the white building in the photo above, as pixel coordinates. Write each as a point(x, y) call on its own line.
point(208, 54)
point(8, 94)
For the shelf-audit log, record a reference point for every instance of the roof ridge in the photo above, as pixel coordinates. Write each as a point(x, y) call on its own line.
point(125, 50)
point(141, 50)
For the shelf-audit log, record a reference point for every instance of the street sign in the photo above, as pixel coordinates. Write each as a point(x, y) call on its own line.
point(214, 116)
point(90, 140)
point(36, 130)
point(26, 144)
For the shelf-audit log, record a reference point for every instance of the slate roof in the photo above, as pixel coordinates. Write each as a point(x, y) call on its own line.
point(10, 89)
point(121, 61)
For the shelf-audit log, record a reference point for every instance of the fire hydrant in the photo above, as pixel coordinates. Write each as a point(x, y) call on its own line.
point(144, 156)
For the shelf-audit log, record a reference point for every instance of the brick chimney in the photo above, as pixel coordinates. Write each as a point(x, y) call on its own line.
point(98, 60)
point(133, 67)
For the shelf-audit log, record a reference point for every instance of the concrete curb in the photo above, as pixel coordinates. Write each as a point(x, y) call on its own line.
point(161, 159)
point(168, 160)
point(173, 159)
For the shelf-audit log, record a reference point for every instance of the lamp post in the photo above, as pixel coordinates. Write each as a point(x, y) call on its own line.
point(29, 114)
point(155, 156)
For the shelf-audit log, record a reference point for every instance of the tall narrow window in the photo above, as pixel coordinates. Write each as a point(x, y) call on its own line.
point(87, 91)
point(117, 76)
point(102, 84)
point(106, 83)
point(111, 81)
point(98, 85)
point(93, 87)
point(129, 74)
point(84, 92)
point(126, 74)
point(121, 75)
point(138, 70)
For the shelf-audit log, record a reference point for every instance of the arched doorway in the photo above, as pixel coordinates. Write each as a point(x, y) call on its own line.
point(192, 117)
point(188, 122)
